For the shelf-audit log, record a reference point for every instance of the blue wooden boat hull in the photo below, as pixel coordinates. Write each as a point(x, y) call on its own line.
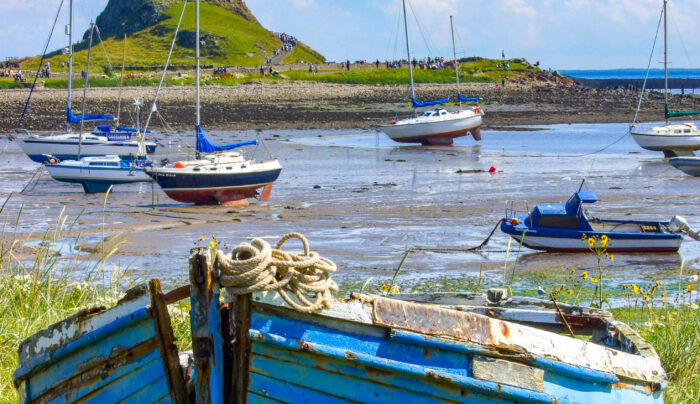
point(125, 354)
point(307, 358)
point(449, 348)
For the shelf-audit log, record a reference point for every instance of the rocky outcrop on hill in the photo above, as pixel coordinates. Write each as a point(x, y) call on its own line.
point(127, 16)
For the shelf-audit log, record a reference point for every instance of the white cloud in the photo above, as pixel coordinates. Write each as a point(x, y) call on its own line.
point(519, 7)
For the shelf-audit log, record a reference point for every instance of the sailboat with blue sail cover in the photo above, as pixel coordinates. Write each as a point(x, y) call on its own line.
point(70, 145)
point(218, 175)
point(437, 126)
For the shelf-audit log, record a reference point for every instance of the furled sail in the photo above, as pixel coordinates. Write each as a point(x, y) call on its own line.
point(472, 99)
point(670, 114)
point(417, 104)
point(204, 146)
point(87, 118)
point(125, 129)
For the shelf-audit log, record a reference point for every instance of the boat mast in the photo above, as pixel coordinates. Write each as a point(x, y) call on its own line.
point(666, 56)
point(197, 60)
point(85, 86)
point(70, 58)
point(408, 51)
point(454, 53)
point(121, 82)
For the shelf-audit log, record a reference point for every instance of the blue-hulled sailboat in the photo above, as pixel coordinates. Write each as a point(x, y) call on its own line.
point(71, 145)
point(217, 175)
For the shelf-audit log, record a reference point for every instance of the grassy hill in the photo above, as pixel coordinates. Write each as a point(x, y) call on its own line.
point(230, 39)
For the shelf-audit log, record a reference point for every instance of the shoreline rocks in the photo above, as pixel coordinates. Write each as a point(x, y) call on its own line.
point(315, 105)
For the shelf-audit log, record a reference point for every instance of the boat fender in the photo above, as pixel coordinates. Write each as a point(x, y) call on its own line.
point(477, 110)
point(679, 225)
point(514, 221)
point(393, 122)
point(179, 164)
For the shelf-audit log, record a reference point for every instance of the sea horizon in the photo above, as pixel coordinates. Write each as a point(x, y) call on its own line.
point(631, 73)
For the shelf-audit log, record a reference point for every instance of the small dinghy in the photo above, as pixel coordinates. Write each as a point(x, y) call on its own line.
point(689, 165)
point(284, 338)
point(563, 227)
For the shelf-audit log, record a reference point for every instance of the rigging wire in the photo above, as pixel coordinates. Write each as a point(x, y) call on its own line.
point(426, 38)
point(41, 63)
point(109, 61)
point(678, 32)
point(651, 56)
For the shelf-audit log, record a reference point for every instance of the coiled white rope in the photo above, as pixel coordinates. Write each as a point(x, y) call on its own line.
point(302, 279)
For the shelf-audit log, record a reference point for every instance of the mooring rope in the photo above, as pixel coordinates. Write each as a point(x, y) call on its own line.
point(472, 249)
point(302, 279)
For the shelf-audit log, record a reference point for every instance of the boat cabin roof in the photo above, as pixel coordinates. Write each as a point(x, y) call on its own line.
point(434, 112)
point(563, 215)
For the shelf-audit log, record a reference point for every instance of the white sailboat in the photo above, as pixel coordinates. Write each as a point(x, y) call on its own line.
point(671, 139)
point(217, 175)
point(438, 126)
point(102, 141)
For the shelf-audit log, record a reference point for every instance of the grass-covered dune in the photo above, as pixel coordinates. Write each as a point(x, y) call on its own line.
point(229, 40)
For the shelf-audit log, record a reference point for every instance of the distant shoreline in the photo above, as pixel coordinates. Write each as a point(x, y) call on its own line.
point(315, 105)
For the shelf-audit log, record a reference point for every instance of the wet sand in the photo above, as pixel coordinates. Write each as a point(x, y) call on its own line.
point(361, 201)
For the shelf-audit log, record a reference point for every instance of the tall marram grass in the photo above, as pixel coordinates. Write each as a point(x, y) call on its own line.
point(38, 287)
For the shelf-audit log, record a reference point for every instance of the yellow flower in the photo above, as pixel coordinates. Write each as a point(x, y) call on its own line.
point(212, 244)
point(569, 292)
point(604, 238)
point(646, 297)
point(635, 288)
point(585, 275)
point(384, 287)
point(663, 295)
point(591, 242)
point(612, 258)
point(201, 238)
point(583, 237)
point(573, 270)
point(594, 280)
point(689, 287)
point(659, 283)
point(394, 290)
point(624, 286)
point(603, 243)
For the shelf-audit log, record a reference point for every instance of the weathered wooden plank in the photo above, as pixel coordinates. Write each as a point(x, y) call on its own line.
point(166, 343)
point(506, 372)
point(126, 386)
point(240, 320)
point(101, 351)
point(206, 328)
point(148, 393)
point(287, 391)
point(93, 383)
point(429, 388)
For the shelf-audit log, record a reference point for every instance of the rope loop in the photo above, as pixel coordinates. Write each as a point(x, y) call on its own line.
point(302, 279)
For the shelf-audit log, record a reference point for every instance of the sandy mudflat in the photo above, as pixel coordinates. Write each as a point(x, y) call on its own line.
point(309, 105)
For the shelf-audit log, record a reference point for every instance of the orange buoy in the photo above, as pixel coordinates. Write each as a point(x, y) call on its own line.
point(52, 161)
point(179, 164)
point(492, 169)
point(477, 110)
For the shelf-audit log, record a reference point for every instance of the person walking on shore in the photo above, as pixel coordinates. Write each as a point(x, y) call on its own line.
point(347, 64)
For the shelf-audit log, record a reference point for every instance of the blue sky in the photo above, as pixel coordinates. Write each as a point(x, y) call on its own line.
point(562, 34)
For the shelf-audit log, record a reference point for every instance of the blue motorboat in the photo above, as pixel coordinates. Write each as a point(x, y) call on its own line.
point(565, 227)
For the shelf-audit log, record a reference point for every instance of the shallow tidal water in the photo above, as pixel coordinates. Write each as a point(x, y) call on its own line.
point(361, 200)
